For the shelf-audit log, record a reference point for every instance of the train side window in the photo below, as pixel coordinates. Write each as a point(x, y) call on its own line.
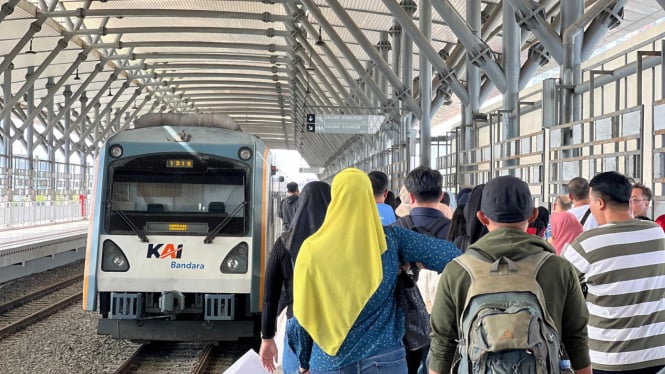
point(155, 208)
point(216, 207)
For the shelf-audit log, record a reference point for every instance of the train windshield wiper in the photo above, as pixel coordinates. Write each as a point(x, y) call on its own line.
point(131, 225)
point(216, 230)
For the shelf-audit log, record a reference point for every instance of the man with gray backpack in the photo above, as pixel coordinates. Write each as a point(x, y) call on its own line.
point(509, 305)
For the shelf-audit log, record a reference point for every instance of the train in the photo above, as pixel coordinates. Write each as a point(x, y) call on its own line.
point(180, 229)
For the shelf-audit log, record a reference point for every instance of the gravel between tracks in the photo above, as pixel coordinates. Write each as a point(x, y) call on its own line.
point(66, 342)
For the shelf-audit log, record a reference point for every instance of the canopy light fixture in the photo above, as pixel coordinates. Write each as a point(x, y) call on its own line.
point(110, 94)
point(30, 51)
point(76, 77)
point(320, 42)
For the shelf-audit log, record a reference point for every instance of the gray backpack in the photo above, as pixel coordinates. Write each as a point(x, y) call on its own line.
point(505, 326)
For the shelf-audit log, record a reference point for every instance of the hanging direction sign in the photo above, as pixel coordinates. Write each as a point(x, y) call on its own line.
point(312, 170)
point(344, 123)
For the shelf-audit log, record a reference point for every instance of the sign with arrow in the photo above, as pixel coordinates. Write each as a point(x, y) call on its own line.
point(344, 123)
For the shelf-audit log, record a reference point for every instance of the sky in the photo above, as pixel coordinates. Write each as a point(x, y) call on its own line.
point(289, 164)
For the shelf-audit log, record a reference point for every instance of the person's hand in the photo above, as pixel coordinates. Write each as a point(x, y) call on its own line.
point(268, 353)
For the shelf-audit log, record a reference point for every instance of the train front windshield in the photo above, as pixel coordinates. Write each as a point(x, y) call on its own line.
point(172, 194)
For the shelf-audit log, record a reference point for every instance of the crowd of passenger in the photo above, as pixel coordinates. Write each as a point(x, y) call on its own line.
point(369, 281)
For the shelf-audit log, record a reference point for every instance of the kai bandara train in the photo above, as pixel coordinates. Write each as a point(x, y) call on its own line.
point(179, 230)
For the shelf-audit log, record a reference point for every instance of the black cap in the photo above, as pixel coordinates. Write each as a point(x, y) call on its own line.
point(507, 199)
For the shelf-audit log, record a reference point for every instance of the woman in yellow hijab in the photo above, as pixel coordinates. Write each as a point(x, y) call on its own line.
point(346, 314)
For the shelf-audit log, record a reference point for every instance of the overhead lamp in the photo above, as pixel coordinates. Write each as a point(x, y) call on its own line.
point(110, 94)
point(76, 77)
point(320, 42)
point(30, 51)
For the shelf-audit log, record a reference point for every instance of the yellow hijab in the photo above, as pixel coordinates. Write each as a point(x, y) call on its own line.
point(339, 267)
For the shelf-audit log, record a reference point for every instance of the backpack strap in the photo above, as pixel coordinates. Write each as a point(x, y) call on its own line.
point(436, 225)
point(504, 275)
point(585, 216)
point(431, 229)
point(406, 222)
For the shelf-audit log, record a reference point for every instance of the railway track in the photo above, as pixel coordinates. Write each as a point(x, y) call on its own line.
point(184, 357)
point(26, 310)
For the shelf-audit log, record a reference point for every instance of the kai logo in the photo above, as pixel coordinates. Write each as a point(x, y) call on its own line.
point(161, 250)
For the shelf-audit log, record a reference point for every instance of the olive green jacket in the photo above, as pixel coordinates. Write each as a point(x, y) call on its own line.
point(557, 277)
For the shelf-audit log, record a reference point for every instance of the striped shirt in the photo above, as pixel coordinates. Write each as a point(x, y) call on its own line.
point(624, 266)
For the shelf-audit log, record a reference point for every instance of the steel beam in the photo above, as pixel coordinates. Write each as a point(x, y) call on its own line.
point(448, 76)
point(478, 52)
point(68, 103)
point(54, 88)
point(365, 44)
point(7, 9)
point(7, 119)
point(610, 17)
point(511, 57)
point(409, 8)
point(108, 110)
point(532, 16)
point(538, 57)
point(473, 77)
point(331, 57)
point(425, 69)
point(570, 69)
point(100, 93)
point(60, 46)
point(383, 46)
point(301, 57)
point(32, 30)
point(178, 13)
point(396, 34)
point(29, 128)
point(119, 113)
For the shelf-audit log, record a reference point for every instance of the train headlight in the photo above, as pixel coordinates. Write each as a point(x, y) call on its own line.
point(115, 151)
point(236, 261)
point(112, 258)
point(245, 153)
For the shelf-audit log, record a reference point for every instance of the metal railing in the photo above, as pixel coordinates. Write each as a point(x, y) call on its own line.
point(33, 213)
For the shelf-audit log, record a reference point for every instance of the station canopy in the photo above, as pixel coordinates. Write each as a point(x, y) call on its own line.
point(265, 63)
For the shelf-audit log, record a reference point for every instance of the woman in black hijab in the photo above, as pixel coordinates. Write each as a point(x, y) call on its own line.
point(312, 205)
point(474, 228)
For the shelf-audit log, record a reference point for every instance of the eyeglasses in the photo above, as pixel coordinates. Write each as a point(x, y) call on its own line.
point(637, 200)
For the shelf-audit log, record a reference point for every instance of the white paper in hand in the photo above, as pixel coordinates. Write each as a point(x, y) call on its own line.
point(249, 363)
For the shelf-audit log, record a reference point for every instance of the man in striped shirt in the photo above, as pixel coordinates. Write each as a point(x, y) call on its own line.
point(623, 264)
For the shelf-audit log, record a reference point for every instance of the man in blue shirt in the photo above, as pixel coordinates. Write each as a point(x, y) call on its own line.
point(380, 189)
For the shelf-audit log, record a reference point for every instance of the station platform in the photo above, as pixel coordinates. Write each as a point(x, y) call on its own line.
point(33, 249)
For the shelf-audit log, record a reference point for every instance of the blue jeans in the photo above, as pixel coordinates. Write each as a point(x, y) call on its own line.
point(290, 364)
point(392, 361)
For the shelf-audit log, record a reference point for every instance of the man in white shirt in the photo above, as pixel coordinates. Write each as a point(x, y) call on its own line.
point(578, 191)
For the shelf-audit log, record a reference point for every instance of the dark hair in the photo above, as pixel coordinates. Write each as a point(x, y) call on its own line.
point(541, 221)
point(390, 200)
point(457, 224)
point(646, 191)
point(445, 199)
point(379, 181)
point(463, 195)
point(614, 188)
point(578, 187)
point(292, 187)
point(425, 184)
